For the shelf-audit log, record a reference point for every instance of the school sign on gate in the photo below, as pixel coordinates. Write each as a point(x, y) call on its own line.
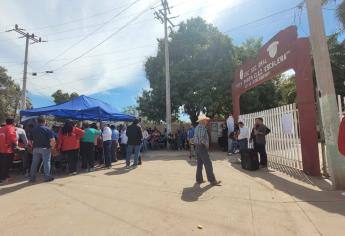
point(283, 52)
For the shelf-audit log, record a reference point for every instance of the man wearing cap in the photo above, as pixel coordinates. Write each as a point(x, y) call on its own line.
point(201, 142)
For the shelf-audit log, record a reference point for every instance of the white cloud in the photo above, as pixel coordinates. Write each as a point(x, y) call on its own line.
point(123, 56)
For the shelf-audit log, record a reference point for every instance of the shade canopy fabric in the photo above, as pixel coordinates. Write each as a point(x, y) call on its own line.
point(81, 108)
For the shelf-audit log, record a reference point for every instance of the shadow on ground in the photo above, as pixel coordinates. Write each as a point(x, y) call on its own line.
point(327, 200)
point(177, 156)
point(192, 194)
point(119, 171)
point(19, 181)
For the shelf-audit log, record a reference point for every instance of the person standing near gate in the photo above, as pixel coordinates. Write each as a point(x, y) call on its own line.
point(243, 136)
point(201, 141)
point(135, 136)
point(259, 132)
point(43, 140)
point(230, 123)
point(8, 141)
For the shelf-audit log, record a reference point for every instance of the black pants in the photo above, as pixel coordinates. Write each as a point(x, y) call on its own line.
point(203, 159)
point(123, 148)
point(26, 160)
point(87, 152)
point(72, 159)
point(5, 164)
point(99, 155)
point(261, 149)
point(107, 153)
point(114, 145)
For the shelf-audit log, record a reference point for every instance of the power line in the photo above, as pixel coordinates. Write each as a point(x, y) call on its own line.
point(247, 24)
point(80, 19)
point(261, 19)
point(93, 77)
point(93, 55)
point(90, 34)
point(103, 41)
point(256, 20)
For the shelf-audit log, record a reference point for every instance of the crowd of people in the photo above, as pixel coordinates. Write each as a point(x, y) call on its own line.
point(38, 146)
point(236, 137)
point(89, 146)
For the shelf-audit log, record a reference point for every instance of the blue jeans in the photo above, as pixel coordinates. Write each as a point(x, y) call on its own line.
point(37, 155)
point(145, 144)
point(129, 154)
point(107, 153)
point(234, 146)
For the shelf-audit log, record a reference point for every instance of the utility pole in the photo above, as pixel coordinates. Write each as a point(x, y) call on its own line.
point(34, 39)
point(326, 93)
point(162, 15)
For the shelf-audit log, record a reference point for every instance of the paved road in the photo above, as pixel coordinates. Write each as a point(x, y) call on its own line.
point(160, 198)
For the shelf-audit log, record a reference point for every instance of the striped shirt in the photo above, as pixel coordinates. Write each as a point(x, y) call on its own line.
point(201, 135)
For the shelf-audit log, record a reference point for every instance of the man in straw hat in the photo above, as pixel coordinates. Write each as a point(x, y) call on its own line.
point(201, 142)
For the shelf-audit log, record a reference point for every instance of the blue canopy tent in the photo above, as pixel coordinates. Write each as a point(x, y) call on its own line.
point(80, 108)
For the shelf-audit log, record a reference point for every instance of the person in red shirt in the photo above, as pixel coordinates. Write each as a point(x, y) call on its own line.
point(69, 144)
point(8, 141)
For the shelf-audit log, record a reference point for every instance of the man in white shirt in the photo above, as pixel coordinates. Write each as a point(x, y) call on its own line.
point(230, 123)
point(243, 136)
point(123, 143)
point(106, 137)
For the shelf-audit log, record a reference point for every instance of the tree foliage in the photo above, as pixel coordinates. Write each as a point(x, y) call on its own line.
point(337, 56)
point(201, 68)
point(9, 96)
point(130, 110)
point(61, 97)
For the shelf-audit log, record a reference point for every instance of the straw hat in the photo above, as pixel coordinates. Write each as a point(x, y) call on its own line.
point(202, 117)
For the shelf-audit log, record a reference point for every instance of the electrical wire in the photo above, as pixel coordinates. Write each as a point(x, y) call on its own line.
point(79, 19)
point(90, 34)
point(102, 42)
point(107, 38)
point(260, 19)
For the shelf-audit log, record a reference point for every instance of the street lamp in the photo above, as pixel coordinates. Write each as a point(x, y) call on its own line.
point(44, 72)
point(25, 91)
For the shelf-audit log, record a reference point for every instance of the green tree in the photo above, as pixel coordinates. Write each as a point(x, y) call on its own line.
point(9, 96)
point(337, 56)
point(131, 110)
point(286, 90)
point(202, 68)
point(61, 97)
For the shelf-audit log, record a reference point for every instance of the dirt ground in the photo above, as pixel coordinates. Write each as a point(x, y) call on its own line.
point(160, 198)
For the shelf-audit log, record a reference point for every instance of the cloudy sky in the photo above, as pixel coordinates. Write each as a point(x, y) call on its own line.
point(114, 71)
